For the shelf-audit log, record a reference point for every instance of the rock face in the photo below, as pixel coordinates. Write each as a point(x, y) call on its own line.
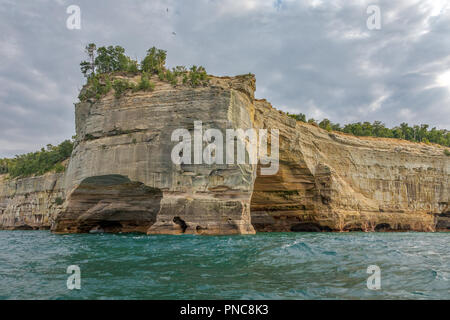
point(109, 203)
point(30, 203)
point(131, 137)
point(121, 176)
point(336, 182)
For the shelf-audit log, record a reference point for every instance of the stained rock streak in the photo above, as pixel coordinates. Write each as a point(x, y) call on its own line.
point(120, 177)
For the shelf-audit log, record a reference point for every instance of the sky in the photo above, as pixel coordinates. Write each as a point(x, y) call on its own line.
point(316, 57)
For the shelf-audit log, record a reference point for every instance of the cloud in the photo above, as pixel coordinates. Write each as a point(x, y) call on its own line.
point(315, 57)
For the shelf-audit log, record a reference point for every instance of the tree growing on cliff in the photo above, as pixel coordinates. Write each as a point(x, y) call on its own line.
point(299, 117)
point(154, 61)
point(415, 133)
point(38, 162)
point(144, 84)
point(325, 124)
point(197, 76)
point(106, 60)
point(4, 163)
point(110, 59)
point(88, 67)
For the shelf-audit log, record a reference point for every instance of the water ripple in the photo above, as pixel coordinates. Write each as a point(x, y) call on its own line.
point(264, 266)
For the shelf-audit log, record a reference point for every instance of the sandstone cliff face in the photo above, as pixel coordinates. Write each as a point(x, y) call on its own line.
point(30, 203)
point(131, 137)
point(121, 177)
point(336, 182)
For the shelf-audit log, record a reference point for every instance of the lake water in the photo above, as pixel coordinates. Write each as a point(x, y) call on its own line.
point(33, 265)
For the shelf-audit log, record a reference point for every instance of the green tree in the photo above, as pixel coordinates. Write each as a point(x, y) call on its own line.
point(111, 59)
point(120, 86)
point(145, 84)
point(154, 61)
point(325, 124)
point(298, 117)
point(197, 76)
point(88, 67)
point(38, 162)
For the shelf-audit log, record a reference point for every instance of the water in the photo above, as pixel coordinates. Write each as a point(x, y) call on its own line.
point(33, 265)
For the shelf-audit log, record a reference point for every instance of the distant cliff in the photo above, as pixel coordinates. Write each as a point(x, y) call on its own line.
point(30, 203)
point(121, 178)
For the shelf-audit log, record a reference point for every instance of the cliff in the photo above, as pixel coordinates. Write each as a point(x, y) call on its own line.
point(121, 176)
point(30, 203)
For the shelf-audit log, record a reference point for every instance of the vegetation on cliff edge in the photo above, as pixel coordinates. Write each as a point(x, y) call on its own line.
point(415, 133)
point(105, 64)
point(38, 163)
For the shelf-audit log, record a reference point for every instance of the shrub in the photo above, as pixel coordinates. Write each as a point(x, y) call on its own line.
point(132, 66)
point(4, 164)
point(247, 75)
point(145, 84)
point(89, 136)
point(298, 117)
point(161, 75)
point(97, 86)
point(179, 70)
point(171, 77)
point(326, 124)
point(59, 168)
point(447, 152)
point(197, 76)
point(120, 86)
point(59, 201)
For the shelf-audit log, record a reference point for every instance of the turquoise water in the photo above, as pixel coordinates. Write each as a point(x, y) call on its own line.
point(264, 266)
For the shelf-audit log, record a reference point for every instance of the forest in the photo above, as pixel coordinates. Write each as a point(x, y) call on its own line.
point(416, 133)
point(39, 162)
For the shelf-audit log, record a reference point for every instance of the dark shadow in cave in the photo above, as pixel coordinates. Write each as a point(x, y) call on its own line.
point(110, 203)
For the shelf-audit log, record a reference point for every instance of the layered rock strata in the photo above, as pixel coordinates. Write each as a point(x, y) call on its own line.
point(30, 203)
point(121, 178)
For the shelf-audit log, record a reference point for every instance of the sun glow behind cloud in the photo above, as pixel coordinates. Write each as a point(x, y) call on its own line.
point(443, 80)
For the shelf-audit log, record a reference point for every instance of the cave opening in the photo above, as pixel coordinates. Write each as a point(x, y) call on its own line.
point(383, 227)
point(109, 203)
point(283, 202)
point(181, 223)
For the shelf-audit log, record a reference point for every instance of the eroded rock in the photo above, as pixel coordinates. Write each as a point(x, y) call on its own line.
point(109, 203)
point(120, 177)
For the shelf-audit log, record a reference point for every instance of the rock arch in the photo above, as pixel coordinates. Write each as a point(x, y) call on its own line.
point(282, 202)
point(109, 203)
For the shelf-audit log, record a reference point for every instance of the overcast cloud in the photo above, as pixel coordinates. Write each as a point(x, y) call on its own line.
point(315, 57)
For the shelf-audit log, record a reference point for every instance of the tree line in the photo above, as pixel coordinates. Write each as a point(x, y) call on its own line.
point(104, 62)
point(416, 133)
point(38, 163)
